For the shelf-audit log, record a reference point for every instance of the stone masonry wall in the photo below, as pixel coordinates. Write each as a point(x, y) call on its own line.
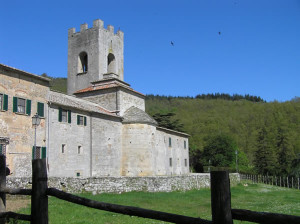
point(125, 184)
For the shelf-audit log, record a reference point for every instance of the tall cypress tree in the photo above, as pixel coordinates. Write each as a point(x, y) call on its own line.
point(285, 150)
point(265, 159)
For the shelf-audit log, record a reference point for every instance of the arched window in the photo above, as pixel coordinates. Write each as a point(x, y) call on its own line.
point(82, 62)
point(111, 63)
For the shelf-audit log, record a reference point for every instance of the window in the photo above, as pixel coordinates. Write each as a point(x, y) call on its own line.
point(111, 63)
point(185, 162)
point(79, 150)
point(170, 142)
point(81, 120)
point(40, 109)
point(82, 62)
point(170, 162)
point(78, 174)
point(63, 148)
point(38, 152)
point(64, 115)
point(3, 102)
point(184, 144)
point(21, 106)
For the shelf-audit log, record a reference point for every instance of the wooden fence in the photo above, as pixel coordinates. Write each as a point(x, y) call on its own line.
point(280, 181)
point(222, 213)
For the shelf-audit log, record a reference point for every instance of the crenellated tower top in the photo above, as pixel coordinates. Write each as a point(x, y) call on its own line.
point(94, 54)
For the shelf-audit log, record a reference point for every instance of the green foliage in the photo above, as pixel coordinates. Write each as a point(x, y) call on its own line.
point(242, 120)
point(57, 84)
point(233, 97)
point(265, 158)
point(219, 150)
point(167, 120)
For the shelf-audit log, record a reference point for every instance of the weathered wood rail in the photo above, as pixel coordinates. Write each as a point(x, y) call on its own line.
point(222, 213)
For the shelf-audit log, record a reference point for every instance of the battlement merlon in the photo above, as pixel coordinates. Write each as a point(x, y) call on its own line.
point(98, 23)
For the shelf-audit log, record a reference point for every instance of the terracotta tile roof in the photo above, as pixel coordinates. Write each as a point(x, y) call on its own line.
point(106, 86)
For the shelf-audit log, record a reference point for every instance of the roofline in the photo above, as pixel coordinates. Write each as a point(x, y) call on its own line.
point(89, 111)
point(172, 131)
point(108, 113)
point(118, 86)
point(109, 80)
point(25, 73)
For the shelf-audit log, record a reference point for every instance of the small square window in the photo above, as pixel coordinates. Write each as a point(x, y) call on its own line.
point(21, 106)
point(64, 115)
point(80, 120)
point(78, 174)
point(170, 142)
point(63, 148)
point(170, 162)
point(184, 144)
point(79, 149)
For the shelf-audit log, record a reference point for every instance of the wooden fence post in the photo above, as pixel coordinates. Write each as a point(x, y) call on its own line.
point(39, 198)
point(220, 197)
point(2, 185)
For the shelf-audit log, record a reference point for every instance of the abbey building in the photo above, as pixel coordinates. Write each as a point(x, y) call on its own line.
point(99, 129)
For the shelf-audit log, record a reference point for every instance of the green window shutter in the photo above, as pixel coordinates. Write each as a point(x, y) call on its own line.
point(43, 152)
point(5, 102)
point(69, 117)
point(32, 152)
point(15, 104)
point(78, 119)
point(59, 114)
point(40, 109)
point(28, 107)
point(84, 121)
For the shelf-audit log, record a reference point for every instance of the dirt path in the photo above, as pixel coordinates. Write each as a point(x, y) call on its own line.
point(16, 203)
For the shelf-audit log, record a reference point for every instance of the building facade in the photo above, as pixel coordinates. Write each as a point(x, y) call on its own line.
point(99, 129)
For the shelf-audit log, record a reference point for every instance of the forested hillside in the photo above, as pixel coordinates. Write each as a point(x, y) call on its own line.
point(266, 135)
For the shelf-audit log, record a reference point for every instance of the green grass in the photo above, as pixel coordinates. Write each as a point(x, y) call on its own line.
point(255, 197)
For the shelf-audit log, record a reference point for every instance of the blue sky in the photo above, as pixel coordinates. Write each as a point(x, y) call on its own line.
point(257, 51)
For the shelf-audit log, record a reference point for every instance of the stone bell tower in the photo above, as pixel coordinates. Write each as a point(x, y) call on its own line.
point(94, 54)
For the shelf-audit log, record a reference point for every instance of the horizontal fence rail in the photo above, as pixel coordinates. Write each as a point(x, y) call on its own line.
point(126, 210)
point(222, 213)
point(263, 217)
point(13, 215)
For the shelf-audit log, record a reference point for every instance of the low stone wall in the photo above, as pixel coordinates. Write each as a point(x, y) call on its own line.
point(124, 184)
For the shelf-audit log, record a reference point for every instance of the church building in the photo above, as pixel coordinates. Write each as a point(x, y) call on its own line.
point(100, 128)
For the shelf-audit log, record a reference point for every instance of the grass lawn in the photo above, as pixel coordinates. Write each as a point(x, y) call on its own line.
point(255, 197)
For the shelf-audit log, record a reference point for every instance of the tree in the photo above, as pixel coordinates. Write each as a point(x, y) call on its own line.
point(285, 151)
point(220, 150)
point(265, 159)
point(167, 120)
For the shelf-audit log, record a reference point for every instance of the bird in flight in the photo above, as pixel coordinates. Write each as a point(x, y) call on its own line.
point(172, 43)
point(219, 33)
